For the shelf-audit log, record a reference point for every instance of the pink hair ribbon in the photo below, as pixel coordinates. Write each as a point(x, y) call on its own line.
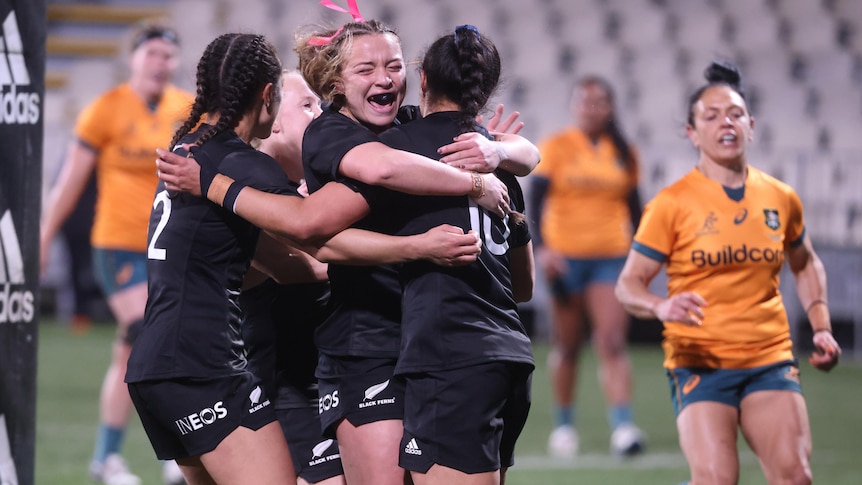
point(354, 12)
point(351, 4)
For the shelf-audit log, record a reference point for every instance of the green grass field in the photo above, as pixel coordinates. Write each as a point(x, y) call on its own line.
point(71, 368)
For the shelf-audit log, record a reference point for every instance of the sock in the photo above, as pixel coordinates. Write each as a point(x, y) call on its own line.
point(618, 415)
point(108, 441)
point(564, 416)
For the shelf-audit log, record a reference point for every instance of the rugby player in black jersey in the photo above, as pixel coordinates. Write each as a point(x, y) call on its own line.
point(359, 343)
point(186, 374)
point(285, 297)
point(465, 355)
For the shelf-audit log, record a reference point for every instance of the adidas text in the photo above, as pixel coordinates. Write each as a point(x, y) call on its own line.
point(16, 302)
point(19, 108)
point(15, 306)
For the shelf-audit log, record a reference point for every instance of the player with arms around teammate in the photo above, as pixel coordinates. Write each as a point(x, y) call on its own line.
point(285, 297)
point(187, 373)
point(116, 137)
point(724, 231)
point(360, 69)
point(465, 354)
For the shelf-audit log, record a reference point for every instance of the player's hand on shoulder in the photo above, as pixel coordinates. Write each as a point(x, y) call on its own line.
point(826, 351)
point(472, 151)
point(686, 308)
point(448, 245)
point(179, 173)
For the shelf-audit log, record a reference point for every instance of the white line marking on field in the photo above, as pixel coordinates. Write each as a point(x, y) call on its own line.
point(647, 461)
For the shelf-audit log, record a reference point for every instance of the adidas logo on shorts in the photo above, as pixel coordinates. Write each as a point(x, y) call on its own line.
point(412, 448)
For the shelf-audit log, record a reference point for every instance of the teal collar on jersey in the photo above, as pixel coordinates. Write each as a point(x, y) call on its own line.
point(735, 194)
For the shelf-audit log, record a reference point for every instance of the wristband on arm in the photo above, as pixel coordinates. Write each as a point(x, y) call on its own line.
point(223, 190)
point(217, 187)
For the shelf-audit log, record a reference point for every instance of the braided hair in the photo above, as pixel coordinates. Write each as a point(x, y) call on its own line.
point(232, 71)
point(718, 73)
point(321, 63)
point(463, 67)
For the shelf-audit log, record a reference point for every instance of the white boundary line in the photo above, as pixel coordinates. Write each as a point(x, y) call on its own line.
point(647, 461)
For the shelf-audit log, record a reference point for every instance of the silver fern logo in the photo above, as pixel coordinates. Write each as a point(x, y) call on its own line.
point(371, 394)
point(254, 397)
point(374, 390)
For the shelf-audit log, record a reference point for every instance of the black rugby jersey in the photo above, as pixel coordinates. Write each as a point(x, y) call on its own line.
point(456, 317)
point(366, 300)
point(197, 255)
point(278, 332)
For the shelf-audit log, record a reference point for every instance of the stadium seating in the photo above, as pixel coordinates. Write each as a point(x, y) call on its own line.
point(801, 61)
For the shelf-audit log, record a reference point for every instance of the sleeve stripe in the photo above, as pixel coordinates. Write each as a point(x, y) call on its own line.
point(798, 241)
point(649, 252)
point(88, 145)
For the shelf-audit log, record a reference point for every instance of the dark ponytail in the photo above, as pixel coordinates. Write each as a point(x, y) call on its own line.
point(463, 67)
point(718, 73)
point(231, 73)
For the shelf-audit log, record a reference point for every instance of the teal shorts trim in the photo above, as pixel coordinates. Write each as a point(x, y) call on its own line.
point(729, 386)
point(582, 272)
point(116, 269)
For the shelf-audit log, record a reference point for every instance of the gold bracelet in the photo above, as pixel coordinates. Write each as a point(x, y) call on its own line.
point(477, 191)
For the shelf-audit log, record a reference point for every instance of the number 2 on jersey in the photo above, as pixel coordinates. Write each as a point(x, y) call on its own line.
point(152, 251)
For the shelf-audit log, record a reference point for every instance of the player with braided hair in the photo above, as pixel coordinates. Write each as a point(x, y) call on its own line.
point(467, 364)
point(198, 255)
point(360, 72)
point(187, 376)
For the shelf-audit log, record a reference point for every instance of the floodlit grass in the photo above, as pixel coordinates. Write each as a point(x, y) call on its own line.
point(71, 369)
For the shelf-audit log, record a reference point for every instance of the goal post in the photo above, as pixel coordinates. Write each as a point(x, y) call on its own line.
point(22, 90)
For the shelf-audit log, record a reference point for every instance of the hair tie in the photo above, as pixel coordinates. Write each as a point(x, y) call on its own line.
point(354, 12)
point(469, 27)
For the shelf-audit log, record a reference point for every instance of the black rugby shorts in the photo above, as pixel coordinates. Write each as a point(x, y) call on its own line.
point(190, 417)
point(315, 458)
point(467, 419)
point(360, 390)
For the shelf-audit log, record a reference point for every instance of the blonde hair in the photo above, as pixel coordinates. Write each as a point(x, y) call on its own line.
point(323, 52)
